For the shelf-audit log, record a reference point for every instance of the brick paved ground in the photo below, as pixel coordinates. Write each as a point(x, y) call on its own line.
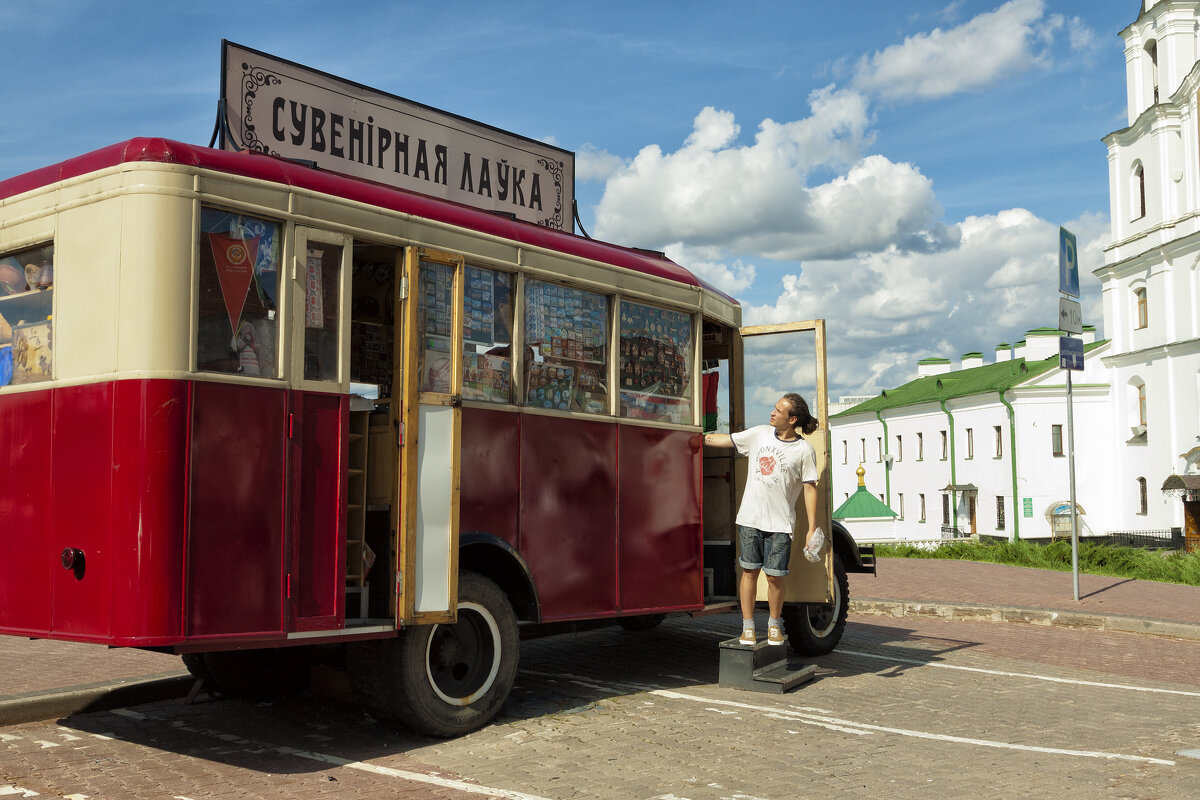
point(943, 581)
point(907, 708)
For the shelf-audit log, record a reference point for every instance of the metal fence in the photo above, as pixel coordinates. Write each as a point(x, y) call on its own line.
point(1163, 539)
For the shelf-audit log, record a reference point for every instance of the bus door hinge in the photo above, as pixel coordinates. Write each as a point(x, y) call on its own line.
point(289, 585)
point(402, 289)
point(290, 421)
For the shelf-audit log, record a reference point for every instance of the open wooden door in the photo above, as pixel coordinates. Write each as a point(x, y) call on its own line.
point(427, 552)
point(767, 362)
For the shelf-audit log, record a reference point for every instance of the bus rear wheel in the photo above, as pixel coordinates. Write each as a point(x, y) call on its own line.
point(815, 629)
point(447, 680)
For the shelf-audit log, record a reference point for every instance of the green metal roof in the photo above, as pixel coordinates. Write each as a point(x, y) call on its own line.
point(988, 378)
point(862, 504)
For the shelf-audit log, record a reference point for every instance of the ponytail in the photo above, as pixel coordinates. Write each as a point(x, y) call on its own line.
point(806, 422)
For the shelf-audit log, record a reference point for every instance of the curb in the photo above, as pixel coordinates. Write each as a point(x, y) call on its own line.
point(38, 706)
point(1032, 616)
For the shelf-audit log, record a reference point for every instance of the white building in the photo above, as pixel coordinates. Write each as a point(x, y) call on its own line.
point(981, 449)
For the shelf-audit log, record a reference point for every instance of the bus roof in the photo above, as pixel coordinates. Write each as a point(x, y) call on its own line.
point(301, 176)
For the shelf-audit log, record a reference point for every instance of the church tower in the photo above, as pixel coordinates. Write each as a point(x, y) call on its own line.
point(1150, 281)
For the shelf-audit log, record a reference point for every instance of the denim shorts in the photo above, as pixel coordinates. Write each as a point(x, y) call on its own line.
point(765, 550)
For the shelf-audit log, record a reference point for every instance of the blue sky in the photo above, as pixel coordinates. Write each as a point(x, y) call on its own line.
point(898, 168)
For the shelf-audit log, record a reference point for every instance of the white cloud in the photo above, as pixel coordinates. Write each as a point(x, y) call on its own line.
point(886, 310)
point(756, 198)
point(973, 55)
point(593, 164)
point(707, 263)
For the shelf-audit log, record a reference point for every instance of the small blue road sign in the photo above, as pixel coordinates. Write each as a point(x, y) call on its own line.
point(1068, 263)
point(1070, 353)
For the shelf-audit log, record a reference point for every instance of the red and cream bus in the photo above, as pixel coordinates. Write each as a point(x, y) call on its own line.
point(252, 412)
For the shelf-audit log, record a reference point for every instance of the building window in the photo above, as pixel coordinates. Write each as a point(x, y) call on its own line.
point(899, 447)
point(1137, 196)
point(945, 509)
point(879, 448)
point(863, 460)
point(1143, 317)
point(1143, 498)
point(900, 504)
point(845, 452)
point(970, 443)
point(920, 447)
point(1141, 403)
point(921, 497)
point(999, 441)
point(1056, 440)
point(999, 513)
point(945, 445)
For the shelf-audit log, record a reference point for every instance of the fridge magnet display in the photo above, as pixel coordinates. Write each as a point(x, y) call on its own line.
point(487, 377)
point(32, 352)
point(655, 374)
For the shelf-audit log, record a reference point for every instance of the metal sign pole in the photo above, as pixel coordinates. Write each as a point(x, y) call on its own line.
point(1074, 508)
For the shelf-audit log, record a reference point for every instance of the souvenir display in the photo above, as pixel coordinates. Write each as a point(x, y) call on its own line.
point(237, 315)
point(371, 353)
point(487, 377)
point(568, 329)
point(655, 373)
point(479, 317)
point(32, 352)
point(436, 314)
point(549, 386)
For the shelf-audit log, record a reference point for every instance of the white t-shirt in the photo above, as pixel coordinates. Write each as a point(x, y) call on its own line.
point(778, 471)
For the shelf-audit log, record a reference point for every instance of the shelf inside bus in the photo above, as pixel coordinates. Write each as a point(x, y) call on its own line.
point(31, 306)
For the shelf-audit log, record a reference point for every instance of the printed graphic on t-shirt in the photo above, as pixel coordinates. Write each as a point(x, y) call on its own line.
point(771, 465)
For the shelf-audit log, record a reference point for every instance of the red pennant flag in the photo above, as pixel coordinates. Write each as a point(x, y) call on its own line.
point(234, 259)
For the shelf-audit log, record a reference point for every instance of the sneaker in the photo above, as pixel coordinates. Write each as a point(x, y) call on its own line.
point(812, 550)
point(774, 635)
point(747, 637)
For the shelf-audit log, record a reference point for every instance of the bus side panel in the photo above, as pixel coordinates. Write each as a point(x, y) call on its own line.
point(148, 511)
point(82, 473)
point(319, 448)
point(489, 473)
point(662, 532)
point(28, 560)
point(235, 532)
point(568, 514)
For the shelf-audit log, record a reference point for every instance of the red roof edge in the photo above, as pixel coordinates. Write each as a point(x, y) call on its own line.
point(276, 170)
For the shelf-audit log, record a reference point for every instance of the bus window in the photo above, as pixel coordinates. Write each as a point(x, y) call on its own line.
point(26, 305)
point(238, 285)
point(656, 364)
point(566, 358)
point(487, 336)
point(323, 265)
point(435, 317)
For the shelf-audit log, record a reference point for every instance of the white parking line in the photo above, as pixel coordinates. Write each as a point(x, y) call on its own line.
point(941, 737)
point(1031, 676)
point(823, 720)
point(416, 777)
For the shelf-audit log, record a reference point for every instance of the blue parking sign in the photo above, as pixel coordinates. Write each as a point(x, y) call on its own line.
point(1068, 263)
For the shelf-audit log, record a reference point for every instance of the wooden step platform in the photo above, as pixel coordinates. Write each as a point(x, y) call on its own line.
point(761, 667)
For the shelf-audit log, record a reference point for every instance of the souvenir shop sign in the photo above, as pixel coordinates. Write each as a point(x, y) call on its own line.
point(289, 110)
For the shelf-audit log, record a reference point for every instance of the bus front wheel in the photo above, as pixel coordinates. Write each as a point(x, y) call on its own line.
point(815, 629)
point(448, 680)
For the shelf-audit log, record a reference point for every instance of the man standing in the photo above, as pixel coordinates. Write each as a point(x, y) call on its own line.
point(782, 465)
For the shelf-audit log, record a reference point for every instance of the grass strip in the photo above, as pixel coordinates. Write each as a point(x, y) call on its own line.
point(1094, 559)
